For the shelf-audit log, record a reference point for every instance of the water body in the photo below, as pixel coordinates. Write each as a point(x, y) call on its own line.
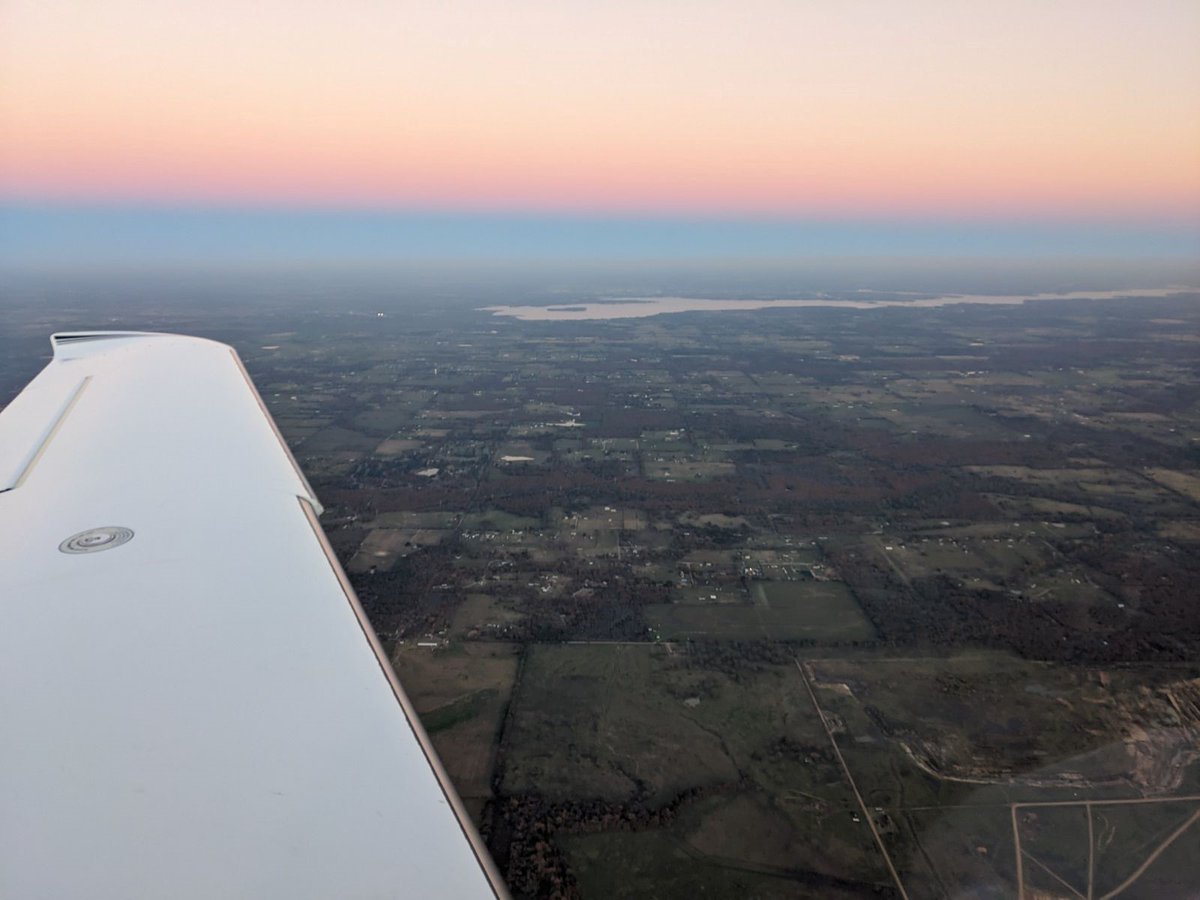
point(644, 307)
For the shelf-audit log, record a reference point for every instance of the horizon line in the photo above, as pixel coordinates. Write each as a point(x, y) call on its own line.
point(567, 212)
point(137, 232)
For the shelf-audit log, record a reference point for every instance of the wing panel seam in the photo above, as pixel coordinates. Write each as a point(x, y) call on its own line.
point(52, 432)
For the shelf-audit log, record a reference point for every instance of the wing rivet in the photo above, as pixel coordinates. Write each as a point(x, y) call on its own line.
point(96, 539)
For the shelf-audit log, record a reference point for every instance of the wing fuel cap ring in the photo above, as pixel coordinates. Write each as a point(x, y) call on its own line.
point(96, 539)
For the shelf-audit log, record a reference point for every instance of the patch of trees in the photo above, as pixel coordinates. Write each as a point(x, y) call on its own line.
point(532, 494)
point(437, 495)
point(940, 611)
point(401, 601)
point(375, 473)
point(609, 612)
point(523, 829)
point(738, 660)
point(786, 749)
point(939, 451)
point(618, 422)
point(345, 540)
point(813, 435)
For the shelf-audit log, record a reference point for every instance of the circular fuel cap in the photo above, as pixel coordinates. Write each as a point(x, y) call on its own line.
point(96, 539)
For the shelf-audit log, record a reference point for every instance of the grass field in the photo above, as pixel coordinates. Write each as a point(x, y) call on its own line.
point(615, 721)
point(684, 468)
point(1184, 483)
point(461, 694)
point(663, 865)
point(1127, 837)
point(958, 851)
point(397, 446)
point(780, 610)
point(481, 615)
point(383, 546)
point(646, 722)
point(602, 721)
point(497, 520)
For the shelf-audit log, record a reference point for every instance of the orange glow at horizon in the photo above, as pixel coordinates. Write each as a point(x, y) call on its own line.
point(763, 107)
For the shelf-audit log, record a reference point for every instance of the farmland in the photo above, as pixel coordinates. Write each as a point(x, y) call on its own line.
point(795, 602)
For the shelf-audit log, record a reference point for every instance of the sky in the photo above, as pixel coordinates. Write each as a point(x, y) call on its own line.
point(1070, 127)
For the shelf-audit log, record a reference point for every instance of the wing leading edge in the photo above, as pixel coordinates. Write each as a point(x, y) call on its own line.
point(193, 703)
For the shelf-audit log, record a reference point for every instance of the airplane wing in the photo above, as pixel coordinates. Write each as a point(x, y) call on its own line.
point(192, 703)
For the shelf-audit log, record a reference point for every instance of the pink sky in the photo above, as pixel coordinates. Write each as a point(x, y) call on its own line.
point(1067, 109)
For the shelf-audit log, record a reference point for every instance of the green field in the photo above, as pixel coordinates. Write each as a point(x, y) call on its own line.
point(781, 610)
point(648, 722)
point(664, 865)
point(629, 729)
point(461, 693)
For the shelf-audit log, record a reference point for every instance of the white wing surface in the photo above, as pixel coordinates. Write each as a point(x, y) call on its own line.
point(191, 701)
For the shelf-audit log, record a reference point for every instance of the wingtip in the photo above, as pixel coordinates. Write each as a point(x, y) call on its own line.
point(74, 344)
point(63, 341)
